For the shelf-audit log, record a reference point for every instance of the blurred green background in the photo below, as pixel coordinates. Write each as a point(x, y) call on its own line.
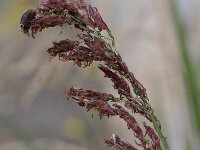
point(160, 42)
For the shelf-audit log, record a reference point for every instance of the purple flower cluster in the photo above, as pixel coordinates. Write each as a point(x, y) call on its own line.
point(103, 103)
point(51, 13)
point(99, 101)
point(92, 46)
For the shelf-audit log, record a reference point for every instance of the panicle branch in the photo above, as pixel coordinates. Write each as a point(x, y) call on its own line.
point(99, 102)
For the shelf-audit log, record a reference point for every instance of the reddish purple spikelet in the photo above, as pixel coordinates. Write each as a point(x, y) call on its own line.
point(62, 46)
point(97, 19)
point(119, 83)
point(132, 124)
point(123, 70)
point(45, 22)
point(117, 143)
point(77, 92)
point(92, 100)
point(83, 14)
point(123, 67)
point(136, 109)
point(93, 42)
point(155, 139)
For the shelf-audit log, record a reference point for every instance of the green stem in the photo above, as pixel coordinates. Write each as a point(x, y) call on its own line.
point(159, 132)
point(189, 72)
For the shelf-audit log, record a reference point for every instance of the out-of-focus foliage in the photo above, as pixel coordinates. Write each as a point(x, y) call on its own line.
point(11, 12)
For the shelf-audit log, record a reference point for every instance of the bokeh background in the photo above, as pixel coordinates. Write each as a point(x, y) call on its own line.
point(159, 40)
